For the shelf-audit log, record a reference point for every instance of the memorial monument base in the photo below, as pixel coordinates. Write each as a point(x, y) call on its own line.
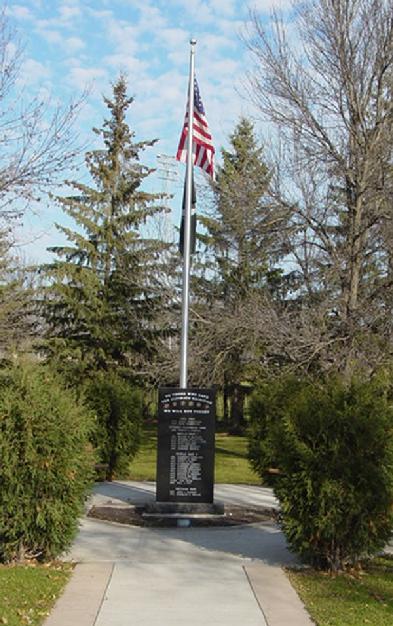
point(183, 513)
point(188, 508)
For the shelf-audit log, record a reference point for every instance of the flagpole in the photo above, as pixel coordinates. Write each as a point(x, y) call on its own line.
point(187, 227)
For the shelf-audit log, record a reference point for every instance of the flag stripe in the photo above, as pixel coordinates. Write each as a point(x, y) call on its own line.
point(201, 131)
point(202, 146)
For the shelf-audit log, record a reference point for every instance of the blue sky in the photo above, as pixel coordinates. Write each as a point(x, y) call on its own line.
point(71, 44)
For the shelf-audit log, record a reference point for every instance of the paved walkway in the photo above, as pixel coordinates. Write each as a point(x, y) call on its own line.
point(132, 576)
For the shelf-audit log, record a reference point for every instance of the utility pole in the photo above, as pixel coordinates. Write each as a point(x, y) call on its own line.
point(167, 172)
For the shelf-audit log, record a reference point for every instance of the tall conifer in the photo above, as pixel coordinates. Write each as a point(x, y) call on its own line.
point(238, 266)
point(103, 300)
point(239, 239)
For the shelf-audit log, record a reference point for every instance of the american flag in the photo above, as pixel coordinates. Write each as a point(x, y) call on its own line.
point(202, 146)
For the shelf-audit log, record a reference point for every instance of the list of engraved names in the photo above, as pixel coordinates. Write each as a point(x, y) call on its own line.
point(186, 443)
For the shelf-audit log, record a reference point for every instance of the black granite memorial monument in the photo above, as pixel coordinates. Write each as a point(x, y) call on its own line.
point(185, 455)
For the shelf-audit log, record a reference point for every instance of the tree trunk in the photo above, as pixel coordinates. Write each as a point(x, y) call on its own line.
point(226, 402)
point(237, 422)
point(355, 257)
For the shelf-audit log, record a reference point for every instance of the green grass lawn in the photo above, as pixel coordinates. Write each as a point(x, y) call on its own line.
point(27, 593)
point(346, 600)
point(232, 465)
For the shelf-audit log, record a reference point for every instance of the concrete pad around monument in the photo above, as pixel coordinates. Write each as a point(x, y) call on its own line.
point(131, 492)
point(246, 495)
point(139, 493)
point(191, 593)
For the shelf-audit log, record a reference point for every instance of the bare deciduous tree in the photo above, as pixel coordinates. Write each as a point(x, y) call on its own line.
point(18, 324)
point(37, 136)
point(329, 95)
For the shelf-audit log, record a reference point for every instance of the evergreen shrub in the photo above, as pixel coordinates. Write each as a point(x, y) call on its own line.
point(332, 446)
point(119, 412)
point(46, 463)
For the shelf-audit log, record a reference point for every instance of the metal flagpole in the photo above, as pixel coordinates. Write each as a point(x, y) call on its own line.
point(187, 227)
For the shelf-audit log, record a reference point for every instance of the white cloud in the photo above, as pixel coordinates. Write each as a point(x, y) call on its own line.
point(70, 45)
point(65, 18)
point(36, 3)
point(151, 18)
point(67, 12)
point(212, 43)
point(223, 7)
point(82, 77)
point(196, 12)
point(72, 61)
point(159, 106)
point(230, 28)
point(20, 12)
point(51, 36)
point(174, 38)
point(209, 46)
point(33, 72)
point(73, 44)
point(160, 97)
point(178, 57)
point(123, 36)
point(221, 71)
point(103, 15)
point(131, 65)
point(266, 6)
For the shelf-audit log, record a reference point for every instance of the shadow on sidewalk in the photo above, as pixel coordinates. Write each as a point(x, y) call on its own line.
point(100, 540)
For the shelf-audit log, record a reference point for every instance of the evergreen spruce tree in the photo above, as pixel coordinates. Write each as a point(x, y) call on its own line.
point(238, 265)
point(102, 301)
point(237, 233)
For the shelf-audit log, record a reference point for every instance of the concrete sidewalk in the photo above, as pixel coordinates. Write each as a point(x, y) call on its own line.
point(132, 576)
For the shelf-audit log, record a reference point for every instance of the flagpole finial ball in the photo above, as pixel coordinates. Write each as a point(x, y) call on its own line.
point(193, 42)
